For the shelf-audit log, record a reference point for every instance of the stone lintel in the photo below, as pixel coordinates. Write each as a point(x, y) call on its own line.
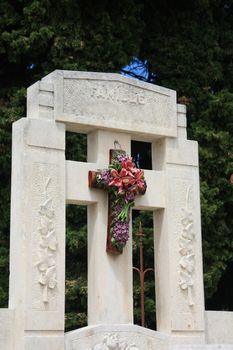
point(87, 101)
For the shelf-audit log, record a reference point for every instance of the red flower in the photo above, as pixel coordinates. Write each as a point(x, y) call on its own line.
point(128, 164)
point(129, 178)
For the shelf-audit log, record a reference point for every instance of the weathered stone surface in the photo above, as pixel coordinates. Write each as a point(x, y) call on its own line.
point(8, 331)
point(118, 337)
point(111, 109)
point(87, 101)
point(37, 254)
point(219, 327)
point(204, 347)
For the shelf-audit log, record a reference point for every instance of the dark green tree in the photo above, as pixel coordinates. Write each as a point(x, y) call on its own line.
point(188, 46)
point(214, 129)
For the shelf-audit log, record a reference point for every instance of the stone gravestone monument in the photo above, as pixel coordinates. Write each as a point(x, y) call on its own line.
point(108, 108)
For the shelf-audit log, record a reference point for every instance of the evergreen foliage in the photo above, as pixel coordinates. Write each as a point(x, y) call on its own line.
point(214, 129)
point(183, 45)
point(188, 46)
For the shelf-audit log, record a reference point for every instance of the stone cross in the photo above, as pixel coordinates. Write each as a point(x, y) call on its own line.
point(106, 107)
point(108, 276)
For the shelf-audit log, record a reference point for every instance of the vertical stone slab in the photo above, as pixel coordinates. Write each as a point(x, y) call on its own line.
point(37, 256)
point(110, 296)
point(7, 330)
point(179, 276)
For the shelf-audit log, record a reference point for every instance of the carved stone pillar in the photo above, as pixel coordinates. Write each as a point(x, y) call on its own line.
point(37, 269)
point(179, 275)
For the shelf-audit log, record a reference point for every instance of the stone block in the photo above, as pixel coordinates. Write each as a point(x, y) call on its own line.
point(118, 336)
point(219, 327)
point(46, 134)
point(203, 347)
point(46, 341)
point(86, 101)
point(8, 331)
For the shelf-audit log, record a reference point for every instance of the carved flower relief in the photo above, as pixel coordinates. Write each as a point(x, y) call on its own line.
point(46, 260)
point(188, 232)
point(186, 280)
point(46, 263)
point(48, 281)
point(112, 342)
point(186, 217)
point(46, 209)
point(187, 260)
point(46, 224)
point(185, 246)
point(49, 277)
point(49, 241)
point(186, 283)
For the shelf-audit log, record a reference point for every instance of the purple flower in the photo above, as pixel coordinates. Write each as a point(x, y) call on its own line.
point(105, 177)
point(117, 209)
point(123, 157)
point(121, 231)
point(129, 196)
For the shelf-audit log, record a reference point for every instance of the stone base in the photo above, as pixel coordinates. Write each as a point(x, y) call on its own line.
point(218, 336)
point(7, 334)
point(132, 337)
point(115, 337)
point(204, 347)
point(44, 341)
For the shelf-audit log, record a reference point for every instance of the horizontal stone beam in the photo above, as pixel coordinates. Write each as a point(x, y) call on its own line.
point(77, 189)
point(154, 197)
point(86, 101)
point(78, 192)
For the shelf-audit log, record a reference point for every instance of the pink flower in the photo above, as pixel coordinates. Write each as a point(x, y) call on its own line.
point(117, 180)
point(128, 179)
point(128, 164)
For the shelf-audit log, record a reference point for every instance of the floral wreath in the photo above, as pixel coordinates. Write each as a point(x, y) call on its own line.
point(123, 180)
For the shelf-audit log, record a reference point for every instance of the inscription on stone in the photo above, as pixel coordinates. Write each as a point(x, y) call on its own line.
point(121, 105)
point(118, 94)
